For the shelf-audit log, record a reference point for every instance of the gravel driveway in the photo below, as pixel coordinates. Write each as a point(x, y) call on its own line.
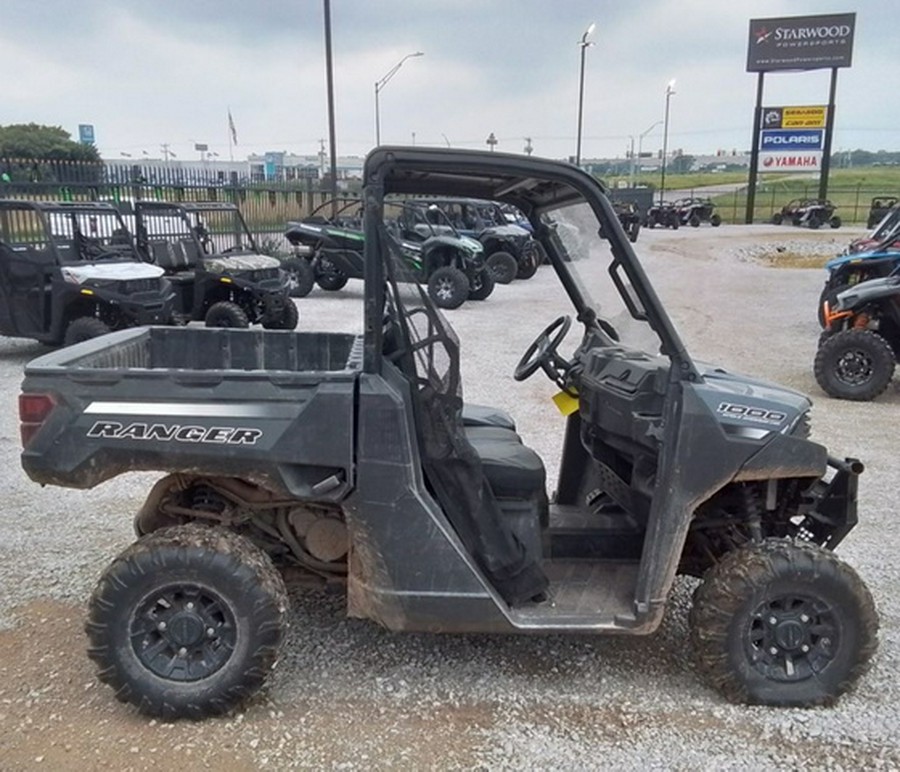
point(348, 695)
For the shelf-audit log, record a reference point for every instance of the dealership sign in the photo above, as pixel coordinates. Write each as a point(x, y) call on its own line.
point(801, 42)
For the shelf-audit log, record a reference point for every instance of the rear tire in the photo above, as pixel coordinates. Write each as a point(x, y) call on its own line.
point(300, 277)
point(187, 622)
point(777, 218)
point(484, 286)
point(503, 267)
point(835, 222)
point(783, 623)
point(814, 222)
point(715, 221)
point(226, 314)
point(84, 328)
point(528, 263)
point(448, 287)
point(694, 221)
point(854, 364)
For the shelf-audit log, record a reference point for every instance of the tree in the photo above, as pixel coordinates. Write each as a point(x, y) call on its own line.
point(47, 143)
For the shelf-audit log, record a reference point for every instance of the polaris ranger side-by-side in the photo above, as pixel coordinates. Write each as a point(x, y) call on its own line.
point(213, 262)
point(69, 272)
point(357, 460)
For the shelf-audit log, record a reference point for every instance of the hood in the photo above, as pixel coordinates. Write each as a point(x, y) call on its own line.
point(859, 257)
point(126, 271)
point(507, 231)
point(473, 245)
point(229, 263)
point(751, 406)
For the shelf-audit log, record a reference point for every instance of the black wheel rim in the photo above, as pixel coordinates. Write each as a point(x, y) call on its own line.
point(445, 289)
point(183, 633)
point(792, 638)
point(854, 368)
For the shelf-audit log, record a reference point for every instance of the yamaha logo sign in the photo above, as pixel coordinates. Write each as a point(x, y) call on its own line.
point(801, 42)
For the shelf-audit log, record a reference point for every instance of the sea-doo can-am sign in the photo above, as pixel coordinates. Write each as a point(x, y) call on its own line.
point(801, 42)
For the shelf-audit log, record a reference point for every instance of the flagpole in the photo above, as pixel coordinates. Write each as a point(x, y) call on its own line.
point(230, 133)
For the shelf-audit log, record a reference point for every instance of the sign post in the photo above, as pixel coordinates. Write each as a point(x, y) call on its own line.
point(796, 138)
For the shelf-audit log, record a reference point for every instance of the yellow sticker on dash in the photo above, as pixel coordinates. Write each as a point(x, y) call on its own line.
point(565, 403)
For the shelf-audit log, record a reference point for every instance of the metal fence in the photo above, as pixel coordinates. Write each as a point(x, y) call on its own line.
point(266, 205)
point(853, 202)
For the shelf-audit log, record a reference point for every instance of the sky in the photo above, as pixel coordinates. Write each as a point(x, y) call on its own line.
point(148, 73)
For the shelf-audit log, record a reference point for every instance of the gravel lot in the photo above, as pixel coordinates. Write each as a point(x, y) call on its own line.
point(348, 695)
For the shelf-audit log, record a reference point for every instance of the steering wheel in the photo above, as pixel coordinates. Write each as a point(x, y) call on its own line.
point(542, 353)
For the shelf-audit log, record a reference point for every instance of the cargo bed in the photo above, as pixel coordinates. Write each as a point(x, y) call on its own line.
point(216, 401)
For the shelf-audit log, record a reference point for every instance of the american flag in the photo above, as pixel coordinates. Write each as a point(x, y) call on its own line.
point(231, 127)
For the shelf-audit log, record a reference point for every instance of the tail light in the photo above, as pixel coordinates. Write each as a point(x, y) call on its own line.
point(33, 411)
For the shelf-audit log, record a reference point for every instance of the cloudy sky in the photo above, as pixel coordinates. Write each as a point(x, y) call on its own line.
point(148, 72)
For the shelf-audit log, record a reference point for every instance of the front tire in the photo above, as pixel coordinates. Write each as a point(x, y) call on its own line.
point(835, 222)
point(328, 276)
point(715, 220)
point(503, 267)
point(783, 623)
point(288, 320)
point(448, 287)
point(854, 364)
point(226, 314)
point(84, 328)
point(187, 622)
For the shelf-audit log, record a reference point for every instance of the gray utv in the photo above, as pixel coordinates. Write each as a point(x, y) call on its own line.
point(357, 460)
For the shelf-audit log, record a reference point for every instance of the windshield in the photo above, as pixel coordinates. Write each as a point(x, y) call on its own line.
point(587, 259)
point(889, 225)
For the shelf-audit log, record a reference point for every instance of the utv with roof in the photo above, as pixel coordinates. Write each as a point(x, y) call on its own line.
point(693, 211)
point(879, 208)
point(810, 212)
point(450, 264)
point(212, 260)
point(69, 272)
point(357, 460)
point(663, 214)
point(501, 239)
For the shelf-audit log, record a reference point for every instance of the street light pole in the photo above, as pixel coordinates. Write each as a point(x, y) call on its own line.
point(670, 89)
point(380, 84)
point(641, 144)
point(584, 43)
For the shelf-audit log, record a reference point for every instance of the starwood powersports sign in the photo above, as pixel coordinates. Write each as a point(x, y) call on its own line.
point(801, 42)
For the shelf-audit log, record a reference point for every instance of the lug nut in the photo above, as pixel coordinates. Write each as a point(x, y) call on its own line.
point(161, 626)
point(804, 618)
point(804, 648)
point(182, 652)
point(773, 621)
point(773, 651)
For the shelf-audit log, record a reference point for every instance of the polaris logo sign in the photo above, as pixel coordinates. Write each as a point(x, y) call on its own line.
point(801, 42)
point(803, 139)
